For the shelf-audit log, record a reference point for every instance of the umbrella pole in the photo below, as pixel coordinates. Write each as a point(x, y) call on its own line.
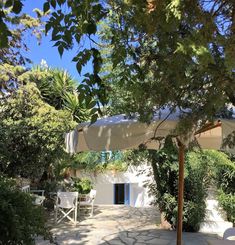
point(180, 193)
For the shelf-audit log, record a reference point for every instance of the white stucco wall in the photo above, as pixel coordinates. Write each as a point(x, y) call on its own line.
point(104, 184)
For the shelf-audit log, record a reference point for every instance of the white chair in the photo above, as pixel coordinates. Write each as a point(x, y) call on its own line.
point(66, 203)
point(229, 234)
point(86, 201)
point(38, 194)
point(26, 189)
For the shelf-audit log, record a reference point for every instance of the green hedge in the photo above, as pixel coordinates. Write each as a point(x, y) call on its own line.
point(223, 167)
point(227, 202)
point(225, 180)
point(20, 220)
point(202, 169)
point(165, 166)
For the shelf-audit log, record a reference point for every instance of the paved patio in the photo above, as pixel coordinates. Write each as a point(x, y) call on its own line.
point(120, 225)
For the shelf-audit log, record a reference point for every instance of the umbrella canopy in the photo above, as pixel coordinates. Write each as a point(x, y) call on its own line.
point(120, 133)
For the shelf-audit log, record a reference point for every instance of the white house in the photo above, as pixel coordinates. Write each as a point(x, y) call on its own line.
point(115, 188)
point(120, 187)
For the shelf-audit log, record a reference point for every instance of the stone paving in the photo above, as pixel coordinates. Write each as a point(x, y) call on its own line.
point(121, 225)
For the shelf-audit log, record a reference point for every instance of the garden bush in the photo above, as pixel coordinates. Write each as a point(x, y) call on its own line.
point(202, 169)
point(165, 185)
point(224, 173)
point(20, 220)
point(83, 186)
point(227, 202)
point(165, 166)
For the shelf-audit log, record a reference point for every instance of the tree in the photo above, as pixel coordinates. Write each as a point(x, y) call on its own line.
point(178, 54)
point(15, 28)
point(9, 78)
point(32, 133)
point(61, 91)
point(203, 169)
point(169, 53)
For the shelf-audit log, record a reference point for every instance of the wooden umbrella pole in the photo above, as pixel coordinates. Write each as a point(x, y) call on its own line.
point(180, 193)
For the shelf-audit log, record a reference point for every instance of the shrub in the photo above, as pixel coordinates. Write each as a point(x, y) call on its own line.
point(49, 186)
point(165, 166)
point(227, 202)
point(165, 171)
point(83, 186)
point(202, 168)
point(224, 171)
point(20, 220)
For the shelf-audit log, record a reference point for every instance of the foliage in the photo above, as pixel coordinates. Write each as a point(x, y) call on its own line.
point(83, 186)
point(86, 160)
point(117, 165)
point(224, 174)
point(31, 133)
point(178, 54)
point(20, 220)
point(166, 53)
point(223, 168)
point(166, 169)
point(15, 29)
point(61, 91)
point(227, 202)
point(165, 185)
point(49, 186)
point(9, 81)
point(202, 169)
point(100, 161)
point(53, 84)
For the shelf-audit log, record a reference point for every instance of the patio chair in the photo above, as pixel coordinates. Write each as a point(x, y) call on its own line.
point(26, 189)
point(87, 201)
point(66, 203)
point(38, 194)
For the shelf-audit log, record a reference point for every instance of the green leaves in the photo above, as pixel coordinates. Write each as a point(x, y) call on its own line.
point(89, 27)
point(53, 3)
point(61, 91)
point(31, 132)
point(174, 8)
point(21, 220)
point(4, 34)
point(16, 5)
point(46, 7)
point(82, 58)
point(61, 50)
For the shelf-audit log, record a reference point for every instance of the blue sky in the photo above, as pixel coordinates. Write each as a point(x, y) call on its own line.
point(46, 50)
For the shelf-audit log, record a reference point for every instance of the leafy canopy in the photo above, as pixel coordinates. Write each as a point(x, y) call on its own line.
point(178, 54)
point(168, 53)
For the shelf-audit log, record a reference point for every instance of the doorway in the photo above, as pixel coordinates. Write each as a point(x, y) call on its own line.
point(122, 193)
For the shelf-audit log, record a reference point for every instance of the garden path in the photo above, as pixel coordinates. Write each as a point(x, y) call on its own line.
point(121, 225)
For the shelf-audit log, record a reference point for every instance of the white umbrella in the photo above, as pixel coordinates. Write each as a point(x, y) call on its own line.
point(120, 133)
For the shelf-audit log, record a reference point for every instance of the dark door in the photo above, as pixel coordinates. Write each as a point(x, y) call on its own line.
point(119, 193)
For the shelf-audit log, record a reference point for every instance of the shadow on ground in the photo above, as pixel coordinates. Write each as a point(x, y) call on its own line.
point(118, 226)
point(156, 237)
